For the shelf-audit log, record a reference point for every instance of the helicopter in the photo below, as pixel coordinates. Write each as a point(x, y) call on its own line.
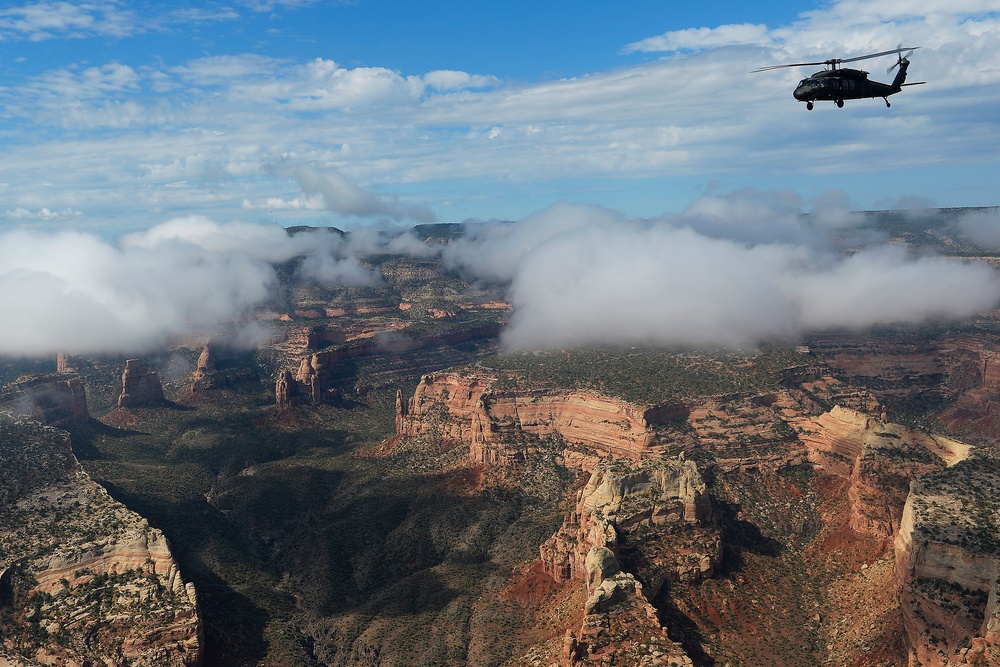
point(836, 83)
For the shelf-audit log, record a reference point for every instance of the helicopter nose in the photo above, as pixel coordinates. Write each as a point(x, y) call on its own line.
point(801, 93)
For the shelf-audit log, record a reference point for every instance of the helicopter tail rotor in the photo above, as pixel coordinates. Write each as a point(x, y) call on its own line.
point(900, 57)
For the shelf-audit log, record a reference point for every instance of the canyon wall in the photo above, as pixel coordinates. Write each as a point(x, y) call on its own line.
point(83, 580)
point(50, 399)
point(948, 563)
point(470, 408)
point(315, 371)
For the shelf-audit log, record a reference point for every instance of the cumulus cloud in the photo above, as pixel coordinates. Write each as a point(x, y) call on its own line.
point(982, 227)
point(74, 292)
point(584, 275)
point(346, 198)
point(45, 20)
point(702, 38)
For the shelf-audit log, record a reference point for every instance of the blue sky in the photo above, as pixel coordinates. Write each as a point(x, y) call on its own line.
point(118, 116)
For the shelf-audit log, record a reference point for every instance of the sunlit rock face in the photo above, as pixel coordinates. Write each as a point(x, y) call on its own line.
point(879, 458)
point(83, 580)
point(948, 563)
point(476, 410)
point(140, 386)
point(623, 495)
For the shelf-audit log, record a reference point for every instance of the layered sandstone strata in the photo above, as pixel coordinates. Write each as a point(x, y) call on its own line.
point(474, 409)
point(83, 580)
point(879, 458)
point(948, 564)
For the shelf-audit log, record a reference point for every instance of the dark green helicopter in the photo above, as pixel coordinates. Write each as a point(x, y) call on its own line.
point(836, 84)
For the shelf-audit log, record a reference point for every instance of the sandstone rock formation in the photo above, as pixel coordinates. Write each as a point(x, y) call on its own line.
point(879, 458)
point(622, 495)
point(83, 579)
point(140, 386)
point(49, 399)
point(63, 364)
point(304, 386)
point(948, 565)
point(472, 408)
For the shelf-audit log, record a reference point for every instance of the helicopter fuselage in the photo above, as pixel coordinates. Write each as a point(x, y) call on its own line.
point(837, 85)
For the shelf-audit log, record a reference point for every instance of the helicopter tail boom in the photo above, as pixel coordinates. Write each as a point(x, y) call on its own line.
point(900, 80)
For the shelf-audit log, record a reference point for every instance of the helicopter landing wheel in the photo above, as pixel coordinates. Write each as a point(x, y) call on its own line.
point(809, 106)
point(840, 104)
point(887, 105)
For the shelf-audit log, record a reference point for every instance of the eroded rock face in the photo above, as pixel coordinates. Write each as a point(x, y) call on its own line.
point(304, 386)
point(140, 386)
point(50, 399)
point(84, 580)
point(879, 458)
point(948, 563)
point(622, 495)
point(472, 409)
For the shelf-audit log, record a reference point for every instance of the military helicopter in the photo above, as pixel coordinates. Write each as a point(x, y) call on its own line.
point(836, 84)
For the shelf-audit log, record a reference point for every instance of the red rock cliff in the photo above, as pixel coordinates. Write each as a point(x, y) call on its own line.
point(470, 409)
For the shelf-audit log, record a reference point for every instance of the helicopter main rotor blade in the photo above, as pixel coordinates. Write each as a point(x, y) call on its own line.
point(837, 61)
point(898, 49)
point(818, 62)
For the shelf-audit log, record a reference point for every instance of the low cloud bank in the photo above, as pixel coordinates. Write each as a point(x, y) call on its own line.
point(76, 293)
point(732, 271)
point(729, 271)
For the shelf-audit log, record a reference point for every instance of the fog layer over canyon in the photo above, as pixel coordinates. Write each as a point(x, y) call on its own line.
point(728, 271)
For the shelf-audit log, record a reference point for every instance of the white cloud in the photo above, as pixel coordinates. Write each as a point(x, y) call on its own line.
point(46, 20)
point(585, 275)
point(346, 198)
point(702, 38)
point(982, 227)
point(40, 214)
point(74, 292)
point(455, 80)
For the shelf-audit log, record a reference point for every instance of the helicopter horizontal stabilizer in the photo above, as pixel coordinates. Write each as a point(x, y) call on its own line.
point(915, 83)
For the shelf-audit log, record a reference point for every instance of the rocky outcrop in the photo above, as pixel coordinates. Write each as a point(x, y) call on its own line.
point(140, 386)
point(834, 439)
point(85, 580)
point(621, 496)
point(948, 564)
point(304, 386)
point(204, 369)
point(63, 364)
point(879, 458)
point(49, 399)
point(474, 409)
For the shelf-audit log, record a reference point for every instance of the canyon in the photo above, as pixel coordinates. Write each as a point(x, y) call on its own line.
point(884, 469)
point(374, 480)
